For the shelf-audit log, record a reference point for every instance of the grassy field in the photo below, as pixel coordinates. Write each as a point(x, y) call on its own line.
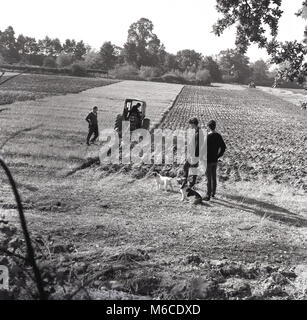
point(56, 129)
point(35, 86)
point(294, 96)
point(115, 236)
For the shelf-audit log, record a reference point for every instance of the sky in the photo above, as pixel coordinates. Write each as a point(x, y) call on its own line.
point(180, 24)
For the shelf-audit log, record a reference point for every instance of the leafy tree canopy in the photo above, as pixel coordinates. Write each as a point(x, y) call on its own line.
point(108, 55)
point(189, 60)
point(235, 65)
point(143, 47)
point(253, 19)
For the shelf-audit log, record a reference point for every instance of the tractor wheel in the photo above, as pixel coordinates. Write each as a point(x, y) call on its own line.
point(146, 124)
point(118, 123)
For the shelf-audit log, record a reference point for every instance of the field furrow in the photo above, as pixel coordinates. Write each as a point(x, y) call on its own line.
point(266, 136)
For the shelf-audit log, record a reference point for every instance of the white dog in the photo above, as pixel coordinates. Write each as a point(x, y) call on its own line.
point(163, 181)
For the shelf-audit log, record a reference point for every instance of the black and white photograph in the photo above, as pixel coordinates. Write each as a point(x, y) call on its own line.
point(153, 153)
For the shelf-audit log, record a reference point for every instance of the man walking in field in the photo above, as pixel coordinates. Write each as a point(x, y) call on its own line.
point(93, 126)
point(215, 149)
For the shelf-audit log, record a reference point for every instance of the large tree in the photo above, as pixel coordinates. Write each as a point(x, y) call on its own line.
point(143, 47)
point(253, 19)
point(260, 71)
point(69, 45)
point(234, 65)
point(8, 45)
point(170, 62)
point(108, 56)
point(130, 53)
point(50, 47)
point(80, 50)
point(212, 66)
point(92, 60)
point(189, 60)
point(27, 45)
point(77, 49)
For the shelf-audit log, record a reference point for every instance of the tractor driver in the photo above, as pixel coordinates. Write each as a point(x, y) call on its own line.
point(135, 117)
point(135, 110)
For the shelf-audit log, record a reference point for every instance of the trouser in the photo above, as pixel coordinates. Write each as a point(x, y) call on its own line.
point(211, 178)
point(91, 131)
point(186, 168)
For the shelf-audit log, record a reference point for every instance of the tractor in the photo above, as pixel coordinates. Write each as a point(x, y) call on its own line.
point(134, 112)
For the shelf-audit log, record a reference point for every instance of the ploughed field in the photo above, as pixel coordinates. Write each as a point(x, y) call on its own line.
point(266, 136)
point(115, 236)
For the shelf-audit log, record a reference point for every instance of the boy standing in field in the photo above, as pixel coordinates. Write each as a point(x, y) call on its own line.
point(92, 126)
point(193, 124)
point(215, 149)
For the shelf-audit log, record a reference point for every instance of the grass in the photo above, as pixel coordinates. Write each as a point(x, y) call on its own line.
point(61, 132)
point(294, 96)
point(33, 86)
point(147, 234)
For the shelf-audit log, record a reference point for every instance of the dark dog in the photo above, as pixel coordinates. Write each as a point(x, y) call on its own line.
point(187, 192)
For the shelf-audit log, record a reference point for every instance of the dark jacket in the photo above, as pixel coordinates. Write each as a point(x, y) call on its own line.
point(92, 120)
point(215, 147)
point(197, 142)
point(135, 111)
point(194, 143)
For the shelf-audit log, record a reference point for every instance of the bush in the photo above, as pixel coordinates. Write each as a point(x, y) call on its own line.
point(173, 78)
point(189, 76)
point(64, 60)
point(125, 72)
point(34, 59)
point(203, 77)
point(93, 60)
point(78, 70)
point(229, 79)
point(156, 79)
point(49, 62)
point(147, 72)
point(2, 61)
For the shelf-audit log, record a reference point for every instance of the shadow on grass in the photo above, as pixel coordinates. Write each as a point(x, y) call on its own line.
point(262, 208)
point(204, 204)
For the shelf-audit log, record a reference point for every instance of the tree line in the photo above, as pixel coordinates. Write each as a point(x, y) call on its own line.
point(143, 55)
